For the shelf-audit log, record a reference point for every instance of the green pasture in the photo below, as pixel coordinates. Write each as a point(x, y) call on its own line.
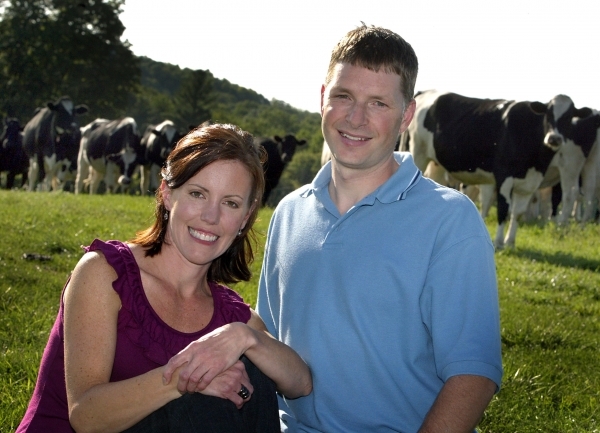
point(549, 288)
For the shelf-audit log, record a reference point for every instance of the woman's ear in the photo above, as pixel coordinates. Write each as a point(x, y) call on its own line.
point(166, 194)
point(250, 210)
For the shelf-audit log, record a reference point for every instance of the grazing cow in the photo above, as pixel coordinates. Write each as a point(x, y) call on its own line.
point(279, 152)
point(514, 145)
point(47, 139)
point(157, 143)
point(109, 150)
point(13, 159)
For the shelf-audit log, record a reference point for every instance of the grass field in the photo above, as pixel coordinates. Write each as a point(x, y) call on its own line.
point(549, 290)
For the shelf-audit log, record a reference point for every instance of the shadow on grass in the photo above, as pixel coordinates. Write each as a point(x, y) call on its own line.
point(558, 258)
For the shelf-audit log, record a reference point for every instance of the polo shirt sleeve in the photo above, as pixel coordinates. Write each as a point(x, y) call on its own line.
point(267, 288)
point(460, 309)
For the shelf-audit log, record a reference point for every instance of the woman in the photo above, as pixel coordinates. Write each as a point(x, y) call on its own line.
point(129, 308)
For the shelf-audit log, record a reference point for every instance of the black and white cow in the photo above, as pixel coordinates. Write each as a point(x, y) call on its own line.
point(47, 138)
point(514, 145)
point(13, 159)
point(279, 153)
point(157, 143)
point(109, 150)
point(582, 149)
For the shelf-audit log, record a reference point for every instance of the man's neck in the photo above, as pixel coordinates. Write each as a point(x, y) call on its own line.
point(347, 186)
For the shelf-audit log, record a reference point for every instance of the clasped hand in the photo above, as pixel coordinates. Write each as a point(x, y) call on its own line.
point(211, 365)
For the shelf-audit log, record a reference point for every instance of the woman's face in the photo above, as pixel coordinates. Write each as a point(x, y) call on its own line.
point(208, 210)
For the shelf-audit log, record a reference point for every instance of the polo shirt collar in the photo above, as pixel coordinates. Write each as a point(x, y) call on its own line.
point(394, 189)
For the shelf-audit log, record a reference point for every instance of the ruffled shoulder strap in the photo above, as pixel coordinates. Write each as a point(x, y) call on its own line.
point(229, 306)
point(119, 256)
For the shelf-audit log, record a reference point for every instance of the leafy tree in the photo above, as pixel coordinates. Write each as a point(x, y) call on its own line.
point(162, 77)
point(194, 98)
point(54, 47)
point(149, 106)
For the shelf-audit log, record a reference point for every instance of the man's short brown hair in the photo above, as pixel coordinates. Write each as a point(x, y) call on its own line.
point(376, 48)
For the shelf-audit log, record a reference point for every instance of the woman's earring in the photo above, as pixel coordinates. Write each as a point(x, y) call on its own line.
point(166, 215)
point(239, 233)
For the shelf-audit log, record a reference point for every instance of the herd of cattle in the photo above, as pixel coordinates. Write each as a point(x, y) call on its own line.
point(511, 150)
point(51, 149)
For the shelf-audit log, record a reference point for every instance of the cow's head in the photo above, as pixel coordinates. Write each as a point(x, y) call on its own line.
point(166, 138)
point(558, 116)
point(287, 146)
point(63, 119)
point(10, 134)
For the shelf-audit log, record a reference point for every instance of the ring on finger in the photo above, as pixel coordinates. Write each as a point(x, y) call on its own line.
point(244, 393)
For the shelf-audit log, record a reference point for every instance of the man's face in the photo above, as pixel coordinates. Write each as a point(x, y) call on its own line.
point(363, 115)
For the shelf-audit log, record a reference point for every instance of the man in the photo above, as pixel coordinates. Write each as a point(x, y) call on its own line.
point(382, 280)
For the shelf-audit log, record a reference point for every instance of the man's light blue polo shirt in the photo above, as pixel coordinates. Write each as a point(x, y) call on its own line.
point(384, 303)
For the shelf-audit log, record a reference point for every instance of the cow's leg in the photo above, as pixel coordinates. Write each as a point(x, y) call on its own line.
point(34, 170)
point(519, 204)
point(533, 208)
point(487, 192)
point(570, 163)
point(95, 177)
point(569, 183)
point(590, 178)
point(109, 177)
point(83, 172)
point(10, 179)
point(546, 203)
point(50, 166)
point(504, 196)
point(24, 178)
point(83, 168)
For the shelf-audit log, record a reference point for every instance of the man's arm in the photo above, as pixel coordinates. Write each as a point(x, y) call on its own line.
point(459, 406)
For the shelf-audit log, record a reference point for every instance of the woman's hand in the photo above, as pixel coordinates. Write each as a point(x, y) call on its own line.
point(208, 357)
point(228, 384)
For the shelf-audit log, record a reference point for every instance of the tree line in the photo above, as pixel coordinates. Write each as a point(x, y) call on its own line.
point(50, 48)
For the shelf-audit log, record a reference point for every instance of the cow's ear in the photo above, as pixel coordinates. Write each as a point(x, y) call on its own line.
point(81, 109)
point(538, 107)
point(278, 138)
point(582, 112)
point(301, 142)
point(51, 106)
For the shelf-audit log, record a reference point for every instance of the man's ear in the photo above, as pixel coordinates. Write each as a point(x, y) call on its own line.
point(408, 115)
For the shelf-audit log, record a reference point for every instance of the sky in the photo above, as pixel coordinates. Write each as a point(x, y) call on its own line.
point(506, 49)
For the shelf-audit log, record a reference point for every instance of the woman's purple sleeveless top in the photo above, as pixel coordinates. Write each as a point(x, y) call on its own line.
point(144, 341)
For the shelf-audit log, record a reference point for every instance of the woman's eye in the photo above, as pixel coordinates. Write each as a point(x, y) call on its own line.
point(232, 204)
point(196, 194)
